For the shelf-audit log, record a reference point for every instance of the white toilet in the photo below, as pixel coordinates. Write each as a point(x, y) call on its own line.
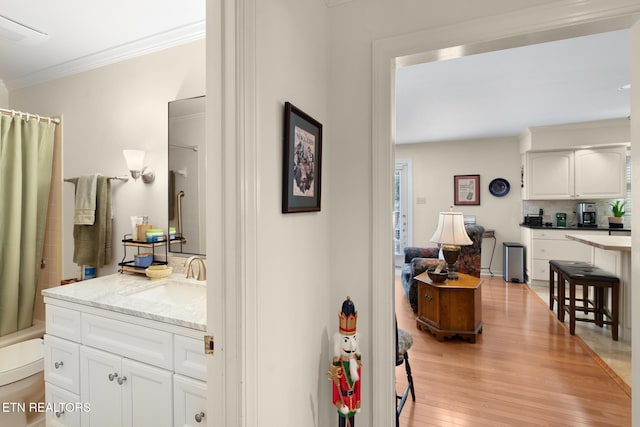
point(21, 382)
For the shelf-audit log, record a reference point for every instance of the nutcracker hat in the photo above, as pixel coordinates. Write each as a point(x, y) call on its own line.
point(348, 317)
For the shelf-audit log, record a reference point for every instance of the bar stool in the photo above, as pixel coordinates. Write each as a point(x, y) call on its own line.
point(601, 281)
point(555, 268)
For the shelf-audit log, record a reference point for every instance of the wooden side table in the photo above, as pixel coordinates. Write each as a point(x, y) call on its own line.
point(451, 308)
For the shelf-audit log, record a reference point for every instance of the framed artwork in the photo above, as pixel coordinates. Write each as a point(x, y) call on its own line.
point(466, 189)
point(302, 161)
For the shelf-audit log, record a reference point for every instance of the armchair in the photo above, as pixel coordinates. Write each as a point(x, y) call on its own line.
point(418, 260)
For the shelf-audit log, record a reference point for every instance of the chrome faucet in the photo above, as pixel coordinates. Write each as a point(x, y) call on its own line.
point(202, 268)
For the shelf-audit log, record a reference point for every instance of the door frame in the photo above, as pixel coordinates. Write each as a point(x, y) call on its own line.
point(557, 20)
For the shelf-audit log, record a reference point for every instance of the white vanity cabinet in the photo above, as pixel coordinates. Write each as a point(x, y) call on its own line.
point(124, 392)
point(125, 370)
point(575, 174)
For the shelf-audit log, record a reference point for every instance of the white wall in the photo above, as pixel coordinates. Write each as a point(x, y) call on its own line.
point(435, 164)
point(295, 316)
point(112, 108)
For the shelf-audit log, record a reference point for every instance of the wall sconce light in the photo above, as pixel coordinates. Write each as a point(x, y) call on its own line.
point(135, 163)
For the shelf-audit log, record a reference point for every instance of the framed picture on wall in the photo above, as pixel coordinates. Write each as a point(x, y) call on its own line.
point(466, 189)
point(302, 161)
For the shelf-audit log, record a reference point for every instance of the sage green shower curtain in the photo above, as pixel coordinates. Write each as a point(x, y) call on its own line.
point(26, 151)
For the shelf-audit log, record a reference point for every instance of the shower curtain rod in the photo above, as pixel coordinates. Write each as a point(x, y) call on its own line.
point(30, 116)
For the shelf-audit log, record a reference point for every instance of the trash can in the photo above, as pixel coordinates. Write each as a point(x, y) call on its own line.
point(514, 264)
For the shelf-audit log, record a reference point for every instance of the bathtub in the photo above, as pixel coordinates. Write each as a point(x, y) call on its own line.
point(35, 331)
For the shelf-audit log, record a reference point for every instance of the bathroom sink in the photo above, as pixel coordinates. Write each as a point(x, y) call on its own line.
point(173, 292)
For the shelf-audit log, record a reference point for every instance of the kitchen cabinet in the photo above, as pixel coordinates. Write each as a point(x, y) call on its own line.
point(597, 173)
point(545, 245)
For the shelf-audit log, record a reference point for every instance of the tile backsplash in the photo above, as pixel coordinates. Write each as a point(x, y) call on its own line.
point(551, 207)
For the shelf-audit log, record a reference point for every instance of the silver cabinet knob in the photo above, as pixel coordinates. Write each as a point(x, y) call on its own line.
point(59, 413)
point(199, 417)
point(121, 380)
point(113, 376)
point(57, 365)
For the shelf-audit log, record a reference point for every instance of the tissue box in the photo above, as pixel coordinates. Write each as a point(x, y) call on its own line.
point(155, 235)
point(142, 260)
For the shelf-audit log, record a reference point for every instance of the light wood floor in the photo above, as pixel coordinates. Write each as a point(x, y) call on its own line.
point(524, 370)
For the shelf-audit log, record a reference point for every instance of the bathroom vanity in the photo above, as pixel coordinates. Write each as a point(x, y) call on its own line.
point(126, 350)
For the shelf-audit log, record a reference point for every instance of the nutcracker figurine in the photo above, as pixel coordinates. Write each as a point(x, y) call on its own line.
point(344, 372)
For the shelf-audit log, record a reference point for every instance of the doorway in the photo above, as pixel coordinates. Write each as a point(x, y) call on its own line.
point(401, 209)
point(523, 27)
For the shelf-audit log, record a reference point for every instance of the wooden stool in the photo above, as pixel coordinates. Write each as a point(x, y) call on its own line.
point(601, 281)
point(555, 268)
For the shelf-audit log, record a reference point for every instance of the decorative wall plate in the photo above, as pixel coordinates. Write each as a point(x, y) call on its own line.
point(499, 187)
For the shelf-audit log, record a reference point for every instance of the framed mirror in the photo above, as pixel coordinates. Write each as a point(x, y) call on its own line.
point(187, 176)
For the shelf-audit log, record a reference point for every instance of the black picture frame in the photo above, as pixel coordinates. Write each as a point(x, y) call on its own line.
point(302, 161)
point(466, 189)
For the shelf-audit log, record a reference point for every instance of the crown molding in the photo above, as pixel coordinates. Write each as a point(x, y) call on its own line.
point(155, 43)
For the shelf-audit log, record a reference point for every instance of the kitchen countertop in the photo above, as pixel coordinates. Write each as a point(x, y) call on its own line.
point(116, 292)
point(574, 227)
point(613, 243)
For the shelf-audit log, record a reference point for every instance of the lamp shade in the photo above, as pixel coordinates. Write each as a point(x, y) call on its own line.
point(451, 230)
point(134, 158)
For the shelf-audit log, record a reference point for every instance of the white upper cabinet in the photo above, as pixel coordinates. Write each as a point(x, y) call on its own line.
point(575, 174)
point(549, 175)
point(600, 174)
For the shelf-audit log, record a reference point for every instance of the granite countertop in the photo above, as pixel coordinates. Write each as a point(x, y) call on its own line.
point(611, 243)
point(116, 292)
point(573, 227)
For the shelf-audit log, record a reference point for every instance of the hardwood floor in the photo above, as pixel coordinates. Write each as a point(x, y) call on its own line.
point(524, 370)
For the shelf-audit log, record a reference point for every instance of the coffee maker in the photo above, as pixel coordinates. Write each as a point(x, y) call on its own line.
point(587, 214)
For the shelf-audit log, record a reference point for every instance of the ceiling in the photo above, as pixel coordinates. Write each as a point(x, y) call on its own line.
point(479, 96)
point(501, 93)
point(81, 35)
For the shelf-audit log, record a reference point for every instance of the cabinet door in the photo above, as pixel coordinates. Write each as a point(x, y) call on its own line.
point(147, 395)
point(428, 304)
point(190, 402)
point(550, 175)
point(60, 416)
point(600, 173)
point(99, 387)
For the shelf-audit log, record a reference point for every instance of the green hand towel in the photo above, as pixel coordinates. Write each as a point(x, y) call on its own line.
point(92, 243)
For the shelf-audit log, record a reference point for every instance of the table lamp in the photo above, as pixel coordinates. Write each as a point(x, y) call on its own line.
point(451, 234)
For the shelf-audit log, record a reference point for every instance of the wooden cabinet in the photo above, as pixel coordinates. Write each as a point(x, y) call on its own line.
point(575, 174)
point(452, 308)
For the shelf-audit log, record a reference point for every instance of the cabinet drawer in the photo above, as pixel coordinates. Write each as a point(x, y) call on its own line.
point(190, 402)
point(540, 270)
point(62, 363)
point(561, 250)
point(63, 414)
point(63, 323)
point(136, 342)
point(189, 357)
